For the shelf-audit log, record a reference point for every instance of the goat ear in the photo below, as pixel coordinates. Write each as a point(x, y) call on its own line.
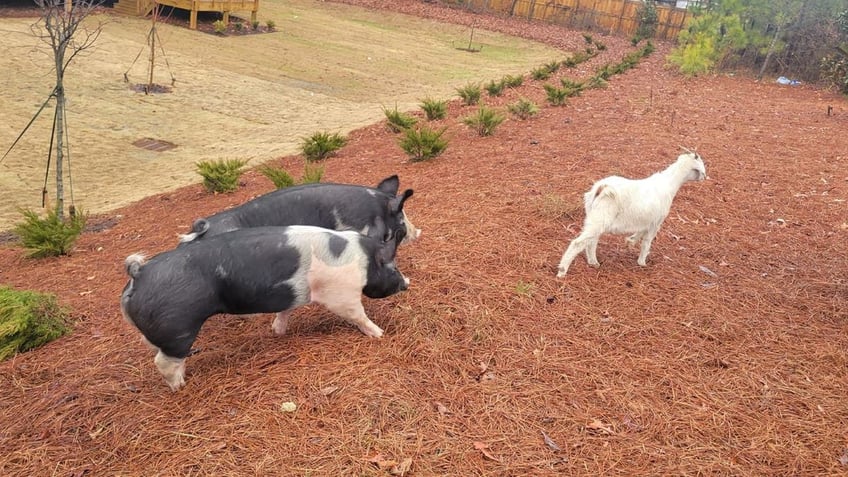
point(687, 150)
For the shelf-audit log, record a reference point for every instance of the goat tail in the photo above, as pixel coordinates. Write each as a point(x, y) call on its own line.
point(198, 228)
point(598, 191)
point(133, 263)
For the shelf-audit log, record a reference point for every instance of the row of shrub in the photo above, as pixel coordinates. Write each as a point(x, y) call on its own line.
point(29, 319)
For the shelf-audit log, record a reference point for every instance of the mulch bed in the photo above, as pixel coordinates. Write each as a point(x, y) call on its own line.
point(726, 355)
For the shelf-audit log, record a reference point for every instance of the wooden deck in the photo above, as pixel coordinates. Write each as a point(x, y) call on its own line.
point(144, 7)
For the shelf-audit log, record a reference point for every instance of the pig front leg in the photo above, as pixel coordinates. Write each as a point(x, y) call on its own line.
point(172, 369)
point(349, 307)
point(281, 323)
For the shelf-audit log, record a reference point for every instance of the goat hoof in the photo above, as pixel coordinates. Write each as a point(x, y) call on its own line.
point(561, 273)
point(594, 264)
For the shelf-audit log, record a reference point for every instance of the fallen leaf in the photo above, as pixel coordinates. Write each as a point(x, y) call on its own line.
point(550, 442)
point(481, 446)
point(598, 426)
point(288, 406)
point(441, 408)
point(329, 390)
point(382, 463)
point(402, 468)
point(707, 271)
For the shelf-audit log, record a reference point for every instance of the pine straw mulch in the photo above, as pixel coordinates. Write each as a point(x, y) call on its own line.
point(727, 355)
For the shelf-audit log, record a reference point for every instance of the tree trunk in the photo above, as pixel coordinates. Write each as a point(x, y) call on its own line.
point(59, 130)
point(770, 52)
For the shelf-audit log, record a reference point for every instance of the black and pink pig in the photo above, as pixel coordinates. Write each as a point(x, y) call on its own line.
point(256, 270)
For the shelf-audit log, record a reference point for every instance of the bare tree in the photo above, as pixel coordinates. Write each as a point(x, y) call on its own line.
point(62, 26)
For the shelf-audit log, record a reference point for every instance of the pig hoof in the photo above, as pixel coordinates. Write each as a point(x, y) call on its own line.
point(280, 324)
point(373, 331)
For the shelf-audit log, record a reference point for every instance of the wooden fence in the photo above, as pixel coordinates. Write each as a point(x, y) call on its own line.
point(610, 16)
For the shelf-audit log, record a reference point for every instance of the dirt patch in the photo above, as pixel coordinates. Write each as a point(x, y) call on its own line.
point(726, 355)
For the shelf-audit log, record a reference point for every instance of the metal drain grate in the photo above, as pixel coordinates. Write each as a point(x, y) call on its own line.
point(156, 145)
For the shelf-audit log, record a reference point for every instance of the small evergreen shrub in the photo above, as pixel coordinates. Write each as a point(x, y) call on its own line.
point(523, 108)
point(553, 66)
point(239, 26)
point(221, 175)
point(254, 24)
point(485, 121)
point(28, 320)
point(569, 83)
point(50, 236)
point(312, 174)
point(495, 88)
point(540, 73)
point(219, 27)
point(434, 108)
point(513, 81)
point(470, 94)
point(588, 38)
point(277, 175)
point(577, 58)
point(423, 143)
point(595, 82)
point(321, 145)
point(398, 120)
point(271, 25)
point(556, 96)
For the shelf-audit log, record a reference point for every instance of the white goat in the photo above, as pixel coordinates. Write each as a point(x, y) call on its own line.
point(626, 206)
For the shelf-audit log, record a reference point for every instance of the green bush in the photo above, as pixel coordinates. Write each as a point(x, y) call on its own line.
point(588, 38)
point(553, 66)
point(569, 83)
point(523, 108)
point(648, 20)
point(470, 94)
point(398, 120)
point(254, 24)
point(277, 175)
point(321, 145)
point(271, 25)
point(50, 236)
point(239, 26)
point(219, 27)
point(28, 320)
point(595, 82)
point(556, 96)
point(513, 81)
point(577, 58)
point(495, 88)
point(540, 73)
point(221, 175)
point(423, 143)
point(312, 173)
point(485, 121)
point(434, 108)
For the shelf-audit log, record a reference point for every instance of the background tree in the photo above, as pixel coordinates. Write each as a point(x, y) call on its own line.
point(63, 27)
point(786, 37)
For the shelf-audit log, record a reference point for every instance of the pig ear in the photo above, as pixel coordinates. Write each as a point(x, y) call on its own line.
point(396, 204)
point(389, 185)
point(378, 230)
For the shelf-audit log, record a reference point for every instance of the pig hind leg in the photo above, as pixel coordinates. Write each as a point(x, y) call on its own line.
point(281, 323)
